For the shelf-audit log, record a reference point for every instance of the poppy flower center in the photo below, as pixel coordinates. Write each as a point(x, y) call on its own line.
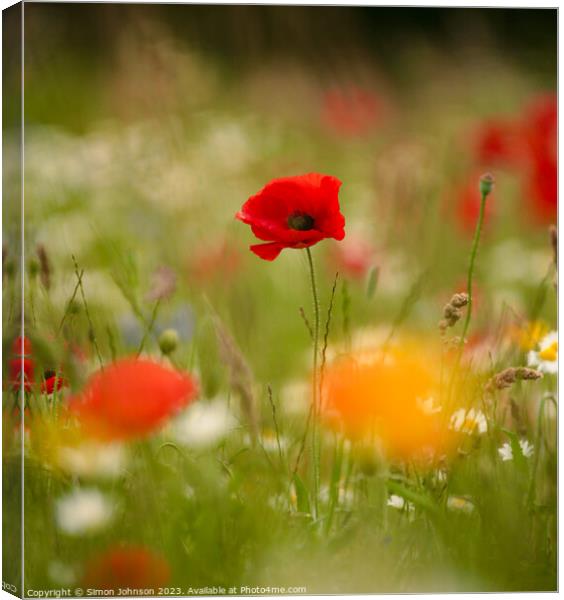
point(300, 222)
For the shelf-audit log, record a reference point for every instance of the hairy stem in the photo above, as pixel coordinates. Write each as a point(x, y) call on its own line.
point(315, 400)
point(473, 253)
point(149, 327)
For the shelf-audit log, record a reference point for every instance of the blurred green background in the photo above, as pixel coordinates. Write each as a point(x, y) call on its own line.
point(147, 128)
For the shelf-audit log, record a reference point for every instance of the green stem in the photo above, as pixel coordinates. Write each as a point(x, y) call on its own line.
point(149, 327)
point(474, 252)
point(532, 484)
point(315, 402)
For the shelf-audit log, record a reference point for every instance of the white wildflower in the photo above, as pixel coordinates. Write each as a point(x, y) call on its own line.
point(461, 504)
point(269, 441)
point(545, 358)
point(398, 502)
point(345, 495)
point(506, 451)
point(469, 421)
point(203, 424)
point(82, 511)
point(441, 476)
point(91, 459)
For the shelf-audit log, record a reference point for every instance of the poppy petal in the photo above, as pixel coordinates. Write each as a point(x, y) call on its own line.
point(267, 251)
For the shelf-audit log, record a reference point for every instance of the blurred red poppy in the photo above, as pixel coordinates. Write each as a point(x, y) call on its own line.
point(352, 111)
point(540, 122)
point(21, 364)
point(540, 131)
point(218, 261)
point(131, 398)
point(497, 142)
point(126, 567)
point(352, 258)
point(294, 212)
point(527, 145)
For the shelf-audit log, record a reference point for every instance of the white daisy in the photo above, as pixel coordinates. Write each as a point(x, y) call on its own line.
point(468, 421)
point(506, 451)
point(91, 459)
point(545, 359)
point(269, 441)
point(203, 424)
point(441, 476)
point(398, 502)
point(526, 448)
point(295, 397)
point(461, 504)
point(82, 511)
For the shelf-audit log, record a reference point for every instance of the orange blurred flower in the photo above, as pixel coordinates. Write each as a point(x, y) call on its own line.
point(390, 398)
point(131, 398)
point(126, 567)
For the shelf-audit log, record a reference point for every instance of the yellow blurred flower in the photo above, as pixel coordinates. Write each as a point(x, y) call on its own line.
point(529, 335)
point(60, 444)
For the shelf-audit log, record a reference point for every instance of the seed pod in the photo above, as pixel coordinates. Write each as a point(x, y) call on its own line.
point(168, 341)
point(508, 377)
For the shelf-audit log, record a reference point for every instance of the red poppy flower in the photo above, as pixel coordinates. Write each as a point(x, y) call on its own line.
point(52, 382)
point(21, 364)
point(126, 567)
point(131, 398)
point(352, 112)
point(217, 261)
point(497, 142)
point(540, 123)
point(294, 212)
point(540, 130)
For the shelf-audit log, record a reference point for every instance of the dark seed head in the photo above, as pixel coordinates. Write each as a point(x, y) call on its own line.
point(300, 222)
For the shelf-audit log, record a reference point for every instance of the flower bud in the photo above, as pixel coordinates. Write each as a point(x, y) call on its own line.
point(168, 341)
point(486, 184)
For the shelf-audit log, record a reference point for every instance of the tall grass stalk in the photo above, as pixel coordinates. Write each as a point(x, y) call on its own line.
point(92, 331)
point(485, 191)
